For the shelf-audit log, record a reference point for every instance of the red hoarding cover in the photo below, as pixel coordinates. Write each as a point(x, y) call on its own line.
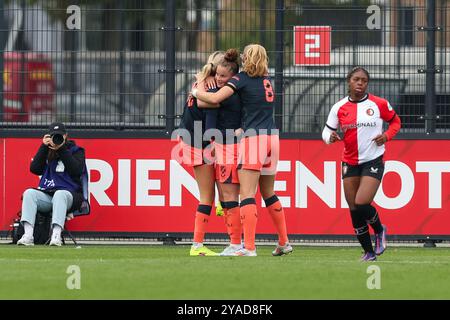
point(136, 187)
point(3, 223)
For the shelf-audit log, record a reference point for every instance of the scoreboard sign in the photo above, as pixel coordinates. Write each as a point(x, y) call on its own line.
point(312, 45)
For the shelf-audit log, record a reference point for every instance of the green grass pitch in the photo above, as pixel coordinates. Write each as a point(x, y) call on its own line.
point(168, 272)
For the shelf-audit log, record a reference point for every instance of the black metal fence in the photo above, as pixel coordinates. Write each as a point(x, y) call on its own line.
point(128, 65)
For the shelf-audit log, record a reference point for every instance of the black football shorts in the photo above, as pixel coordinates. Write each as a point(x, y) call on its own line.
point(373, 168)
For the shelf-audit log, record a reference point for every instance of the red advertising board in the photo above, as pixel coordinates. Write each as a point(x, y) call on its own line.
point(2, 183)
point(312, 45)
point(136, 187)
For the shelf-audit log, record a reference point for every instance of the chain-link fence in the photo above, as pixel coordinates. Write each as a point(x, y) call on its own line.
point(112, 64)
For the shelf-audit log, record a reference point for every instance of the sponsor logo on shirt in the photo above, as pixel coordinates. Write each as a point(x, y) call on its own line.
point(346, 127)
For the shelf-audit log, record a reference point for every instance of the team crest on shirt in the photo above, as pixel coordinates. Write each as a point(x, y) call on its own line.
point(370, 112)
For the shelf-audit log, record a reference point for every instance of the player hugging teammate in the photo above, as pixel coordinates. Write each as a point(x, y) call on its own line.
point(258, 150)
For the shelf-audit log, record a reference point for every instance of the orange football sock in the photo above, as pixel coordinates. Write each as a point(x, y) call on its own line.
point(235, 230)
point(249, 217)
point(201, 222)
point(276, 212)
point(227, 220)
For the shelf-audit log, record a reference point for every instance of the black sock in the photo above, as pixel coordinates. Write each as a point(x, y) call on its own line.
point(371, 216)
point(361, 230)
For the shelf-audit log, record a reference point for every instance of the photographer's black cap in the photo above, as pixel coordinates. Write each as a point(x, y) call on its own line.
point(57, 127)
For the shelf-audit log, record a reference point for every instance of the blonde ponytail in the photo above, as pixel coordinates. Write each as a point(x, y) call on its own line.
point(209, 69)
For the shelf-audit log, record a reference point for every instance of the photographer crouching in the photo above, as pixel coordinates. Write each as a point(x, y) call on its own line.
point(60, 162)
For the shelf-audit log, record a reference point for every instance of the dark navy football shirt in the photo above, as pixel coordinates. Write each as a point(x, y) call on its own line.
point(257, 99)
point(192, 113)
point(229, 116)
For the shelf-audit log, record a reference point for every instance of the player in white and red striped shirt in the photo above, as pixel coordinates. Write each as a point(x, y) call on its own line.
point(360, 116)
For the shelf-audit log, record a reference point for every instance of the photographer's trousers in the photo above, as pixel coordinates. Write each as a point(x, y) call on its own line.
point(35, 200)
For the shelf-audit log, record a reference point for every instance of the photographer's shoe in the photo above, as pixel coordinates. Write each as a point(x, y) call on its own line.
point(56, 241)
point(26, 241)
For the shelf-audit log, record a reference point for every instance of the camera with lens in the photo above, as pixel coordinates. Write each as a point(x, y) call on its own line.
point(57, 138)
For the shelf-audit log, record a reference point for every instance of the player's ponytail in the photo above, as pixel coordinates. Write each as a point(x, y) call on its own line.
point(209, 69)
point(256, 61)
point(231, 60)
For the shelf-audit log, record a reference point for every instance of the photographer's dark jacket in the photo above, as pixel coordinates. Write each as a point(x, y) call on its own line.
point(61, 173)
